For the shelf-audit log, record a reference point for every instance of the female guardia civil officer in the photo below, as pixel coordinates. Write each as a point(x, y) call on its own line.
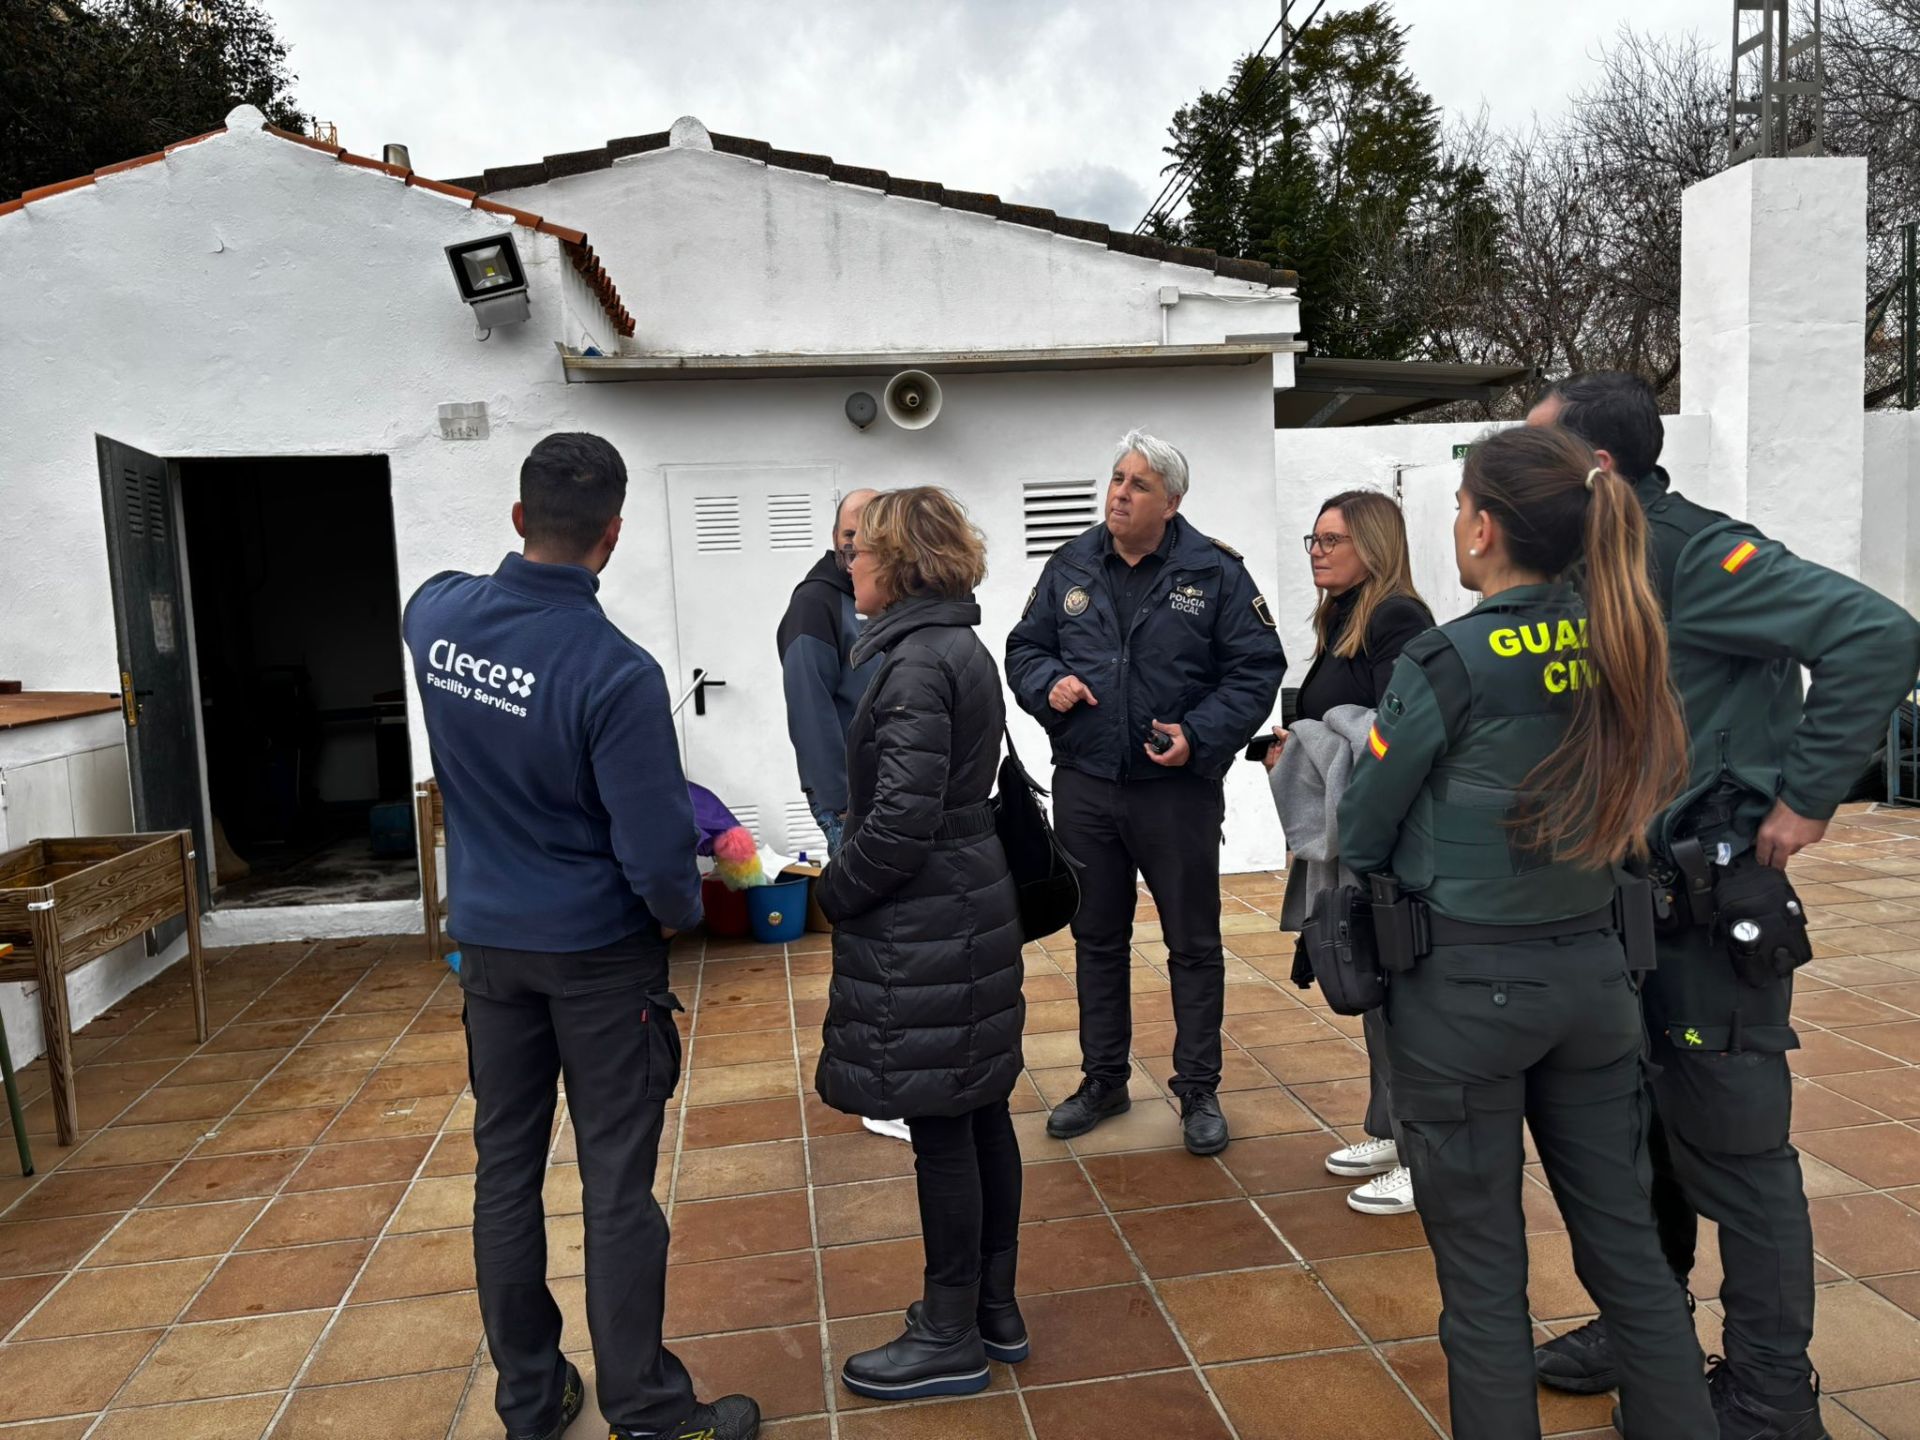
point(1519, 754)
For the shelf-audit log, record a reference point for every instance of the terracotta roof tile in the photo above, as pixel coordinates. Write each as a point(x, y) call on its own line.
point(578, 162)
point(573, 242)
point(45, 191)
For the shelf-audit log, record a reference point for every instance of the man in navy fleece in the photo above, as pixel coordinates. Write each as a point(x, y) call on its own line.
point(570, 845)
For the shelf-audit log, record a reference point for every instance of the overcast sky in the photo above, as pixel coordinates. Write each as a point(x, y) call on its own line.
point(1060, 103)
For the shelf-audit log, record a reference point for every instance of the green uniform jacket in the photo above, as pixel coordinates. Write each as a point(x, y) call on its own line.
point(1470, 710)
point(1744, 614)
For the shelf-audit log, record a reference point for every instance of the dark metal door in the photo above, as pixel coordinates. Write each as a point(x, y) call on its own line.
point(156, 663)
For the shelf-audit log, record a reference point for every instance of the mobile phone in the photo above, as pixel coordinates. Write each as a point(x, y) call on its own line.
point(1257, 751)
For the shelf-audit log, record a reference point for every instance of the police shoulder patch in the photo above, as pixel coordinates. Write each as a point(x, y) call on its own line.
point(1027, 608)
point(1260, 609)
point(1223, 545)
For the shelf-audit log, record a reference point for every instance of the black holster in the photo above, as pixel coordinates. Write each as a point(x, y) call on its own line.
point(1399, 925)
point(1633, 912)
point(1682, 893)
point(1759, 921)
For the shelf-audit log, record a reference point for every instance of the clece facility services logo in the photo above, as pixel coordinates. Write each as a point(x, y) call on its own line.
point(476, 678)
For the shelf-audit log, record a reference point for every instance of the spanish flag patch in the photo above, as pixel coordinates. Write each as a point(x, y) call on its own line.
point(1376, 744)
point(1742, 553)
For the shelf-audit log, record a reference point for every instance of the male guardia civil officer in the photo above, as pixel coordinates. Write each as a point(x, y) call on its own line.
point(570, 865)
point(1768, 769)
point(1150, 657)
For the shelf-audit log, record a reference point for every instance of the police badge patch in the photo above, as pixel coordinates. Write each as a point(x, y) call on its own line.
point(1032, 595)
point(1266, 615)
point(1076, 601)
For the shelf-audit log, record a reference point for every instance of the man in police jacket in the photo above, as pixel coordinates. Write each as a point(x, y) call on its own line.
point(1150, 657)
point(1768, 769)
point(570, 865)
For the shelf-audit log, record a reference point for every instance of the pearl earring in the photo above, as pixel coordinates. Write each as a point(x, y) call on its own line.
point(1474, 552)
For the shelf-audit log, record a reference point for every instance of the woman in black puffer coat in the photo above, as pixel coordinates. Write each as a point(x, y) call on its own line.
point(925, 1012)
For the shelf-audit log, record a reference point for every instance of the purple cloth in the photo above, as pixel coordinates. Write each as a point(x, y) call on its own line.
point(710, 817)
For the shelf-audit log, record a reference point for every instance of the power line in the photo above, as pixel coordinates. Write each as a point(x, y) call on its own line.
point(1192, 172)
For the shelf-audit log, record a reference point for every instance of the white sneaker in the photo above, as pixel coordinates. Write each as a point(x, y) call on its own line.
point(1369, 1157)
point(1389, 1194)
point(894, 1129)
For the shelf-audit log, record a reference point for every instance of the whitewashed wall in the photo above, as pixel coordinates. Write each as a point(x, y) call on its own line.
point(1890, 536)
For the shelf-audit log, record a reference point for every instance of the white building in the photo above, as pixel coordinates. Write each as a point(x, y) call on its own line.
point(229, 452)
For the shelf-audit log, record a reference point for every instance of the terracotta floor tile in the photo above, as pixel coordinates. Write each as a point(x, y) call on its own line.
point(1072, 1255)
point(30, 1247)
point(1055, 1190)
point(312, 1217)
point(742, 1124)
point(125, 1297)
point(849, 1337)
point(1255, 1313)
point(404, 1337)
point(840, 1159)
point(64, 1377)
point(1892, 1410)
point(867, 1279)
point(1320, 1223)
point(1815, 1107)
point(273, 1035)
point(234, 1357)
point(354, 1057)
point(967, 1419)
point(562, 1194)
point(1171, 1403)
point(1337, 1102)
point(1291, 1399)
point(1554, 1292)
point(376, 1118)
point(441, 1077)
point(1824, 1052)
point(435, 1262)
point(823, 1119)
point(745, 1225)
point(1891, 1092)
point(779, 1368)
point(731, 1084)
point(749, 1047)
point(241, 1419)
point(1271, 1164)
point(427, 1401)
point(136, 1145)
point(187, 1102)
point(732, 1019)
point(1391, 1297)
point(755, 1292)
point(1089, 1334)
point(1304, 1061)
point(1143, 1179)
point(441, 1203)
point(1866, 1234)
point(1152, 1124)
point(867, 1210)
point(369, 1162)
point(1880, 1155)
point(267, 1282)
point(1193, 1239)
point(1862, 1339)
point(1269, 1110)
point(87, 1192)
point(226, 1177)
point(177, 1233)
point(19, 1294)
point(1423, 1365)
point(329, 1089)
point(1291, 1026)
point(1902, 1290)
point(743, 1170)
point(452, 1154)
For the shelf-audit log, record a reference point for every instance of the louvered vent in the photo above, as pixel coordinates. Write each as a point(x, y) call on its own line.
point(716, 524)
point(749, 816)
point(1055, 511)
point(803, 833)
point(790, 522)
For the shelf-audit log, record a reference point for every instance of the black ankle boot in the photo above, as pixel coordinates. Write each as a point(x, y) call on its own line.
point(1746, 1414)
point(1003, 1333)
point(940, 1353)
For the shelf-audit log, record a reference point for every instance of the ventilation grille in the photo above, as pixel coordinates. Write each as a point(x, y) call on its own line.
point(790, 522)
point(749, 816)
point(1054, 511)
point(146, 506)
point(803, 833)
point(716, 524)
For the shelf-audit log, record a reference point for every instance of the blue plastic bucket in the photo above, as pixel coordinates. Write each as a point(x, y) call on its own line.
point(778, 913)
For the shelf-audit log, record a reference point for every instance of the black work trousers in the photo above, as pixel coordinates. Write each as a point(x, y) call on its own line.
point(1168, 831)
point(1721, 1151)
point(967, 1172)
point(604, 1018)
point(1482, 1038)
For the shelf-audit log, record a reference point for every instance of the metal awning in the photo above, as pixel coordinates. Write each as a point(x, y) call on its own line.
point(603, 368)
point(1328, 391)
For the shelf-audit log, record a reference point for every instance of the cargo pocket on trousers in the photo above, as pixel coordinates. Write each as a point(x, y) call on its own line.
point(1439, 1148)
point(1738, 1103)
point(663, 1045)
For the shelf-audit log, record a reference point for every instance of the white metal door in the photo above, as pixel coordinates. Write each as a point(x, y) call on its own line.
point(1426, 496)
point(742, 538)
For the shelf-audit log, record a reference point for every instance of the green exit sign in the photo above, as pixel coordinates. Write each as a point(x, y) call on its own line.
point(1460, 451)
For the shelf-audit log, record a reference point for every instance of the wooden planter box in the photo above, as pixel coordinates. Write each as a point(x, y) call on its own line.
point(65, 903)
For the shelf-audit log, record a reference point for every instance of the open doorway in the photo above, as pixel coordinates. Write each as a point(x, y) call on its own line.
point(294, 586)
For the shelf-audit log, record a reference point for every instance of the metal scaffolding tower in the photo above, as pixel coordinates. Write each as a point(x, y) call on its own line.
point(1771, 99)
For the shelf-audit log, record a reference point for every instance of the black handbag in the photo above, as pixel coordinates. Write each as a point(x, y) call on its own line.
point(1045, 876)
point(1338, 938)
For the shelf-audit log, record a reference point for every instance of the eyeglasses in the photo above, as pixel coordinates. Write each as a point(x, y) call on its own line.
point(849, 553)
point(1325, 544)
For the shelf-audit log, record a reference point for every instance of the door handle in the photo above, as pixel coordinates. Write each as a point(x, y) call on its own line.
point(698, 691)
